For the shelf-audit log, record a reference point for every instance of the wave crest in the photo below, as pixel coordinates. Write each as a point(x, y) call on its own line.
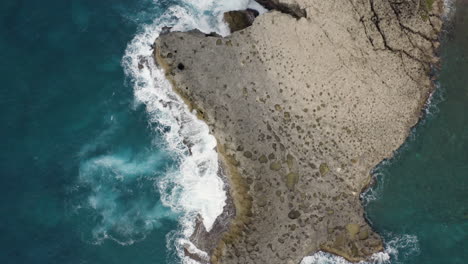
point(193, 188)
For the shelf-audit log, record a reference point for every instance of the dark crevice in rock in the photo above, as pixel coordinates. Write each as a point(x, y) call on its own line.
point(212, 34)
point(292, 10)
point(395, 8)
point(376, 20)
point(432, 24)
point(362, 21)
point(365, 31)
point(405, 68)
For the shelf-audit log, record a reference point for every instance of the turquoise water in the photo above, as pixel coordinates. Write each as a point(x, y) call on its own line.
point(71, 128)
point(89, 163)
point(95, 165)
point(422, 194)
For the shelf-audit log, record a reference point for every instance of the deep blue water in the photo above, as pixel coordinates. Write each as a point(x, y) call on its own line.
point(70, 128)
point(422, 193)
point(80, 162)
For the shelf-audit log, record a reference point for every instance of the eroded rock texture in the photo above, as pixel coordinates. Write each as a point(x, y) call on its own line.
point(304, 103)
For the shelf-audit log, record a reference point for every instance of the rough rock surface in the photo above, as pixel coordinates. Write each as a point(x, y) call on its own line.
point(303, 107)
point(240, 19)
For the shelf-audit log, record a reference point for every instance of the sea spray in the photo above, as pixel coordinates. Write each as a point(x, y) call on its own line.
point(114, 190)
point(193, 188)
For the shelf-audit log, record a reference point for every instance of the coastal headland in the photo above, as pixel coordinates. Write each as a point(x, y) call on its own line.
point(304, 101)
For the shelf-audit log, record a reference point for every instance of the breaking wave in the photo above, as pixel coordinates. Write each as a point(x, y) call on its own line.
point(193, 187)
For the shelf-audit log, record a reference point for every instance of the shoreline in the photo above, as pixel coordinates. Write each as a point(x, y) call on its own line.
point(238, 188)
point(236, 192)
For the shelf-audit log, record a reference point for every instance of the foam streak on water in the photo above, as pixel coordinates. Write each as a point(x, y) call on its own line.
point(194, 186)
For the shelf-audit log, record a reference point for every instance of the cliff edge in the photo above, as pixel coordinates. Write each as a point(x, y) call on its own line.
point(304, 103)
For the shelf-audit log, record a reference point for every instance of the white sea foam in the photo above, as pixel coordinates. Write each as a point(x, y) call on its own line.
point(449, 9)
point(391, 253)
point(194, 187)
point(375, 192)
point(256, 6)
point(111, 179)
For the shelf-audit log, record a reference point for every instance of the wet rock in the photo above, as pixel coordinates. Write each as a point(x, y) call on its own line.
point(194, 256)
point(165, 30)
point(238, 20)
point(294, 214)
point(294, 10)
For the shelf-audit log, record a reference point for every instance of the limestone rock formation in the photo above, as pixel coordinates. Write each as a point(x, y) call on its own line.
point(304, 103)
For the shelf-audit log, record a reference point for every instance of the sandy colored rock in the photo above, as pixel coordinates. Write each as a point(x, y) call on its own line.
point(275, 166)
point(326, 91)
point(324, 169)
point(353, 229)
point(291, 180)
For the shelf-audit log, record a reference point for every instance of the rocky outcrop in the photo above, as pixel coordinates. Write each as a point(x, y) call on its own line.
point(303, 106)
point(238, 20)
point(287, 7)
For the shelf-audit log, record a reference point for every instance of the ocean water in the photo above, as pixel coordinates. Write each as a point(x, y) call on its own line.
point(96, 167)
point(95, 164)
point(422, 193)
point(79, 160)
